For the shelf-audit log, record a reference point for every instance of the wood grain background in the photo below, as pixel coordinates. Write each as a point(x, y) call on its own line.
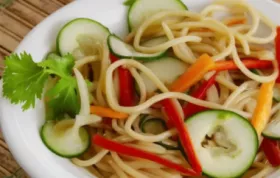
point(16, 21)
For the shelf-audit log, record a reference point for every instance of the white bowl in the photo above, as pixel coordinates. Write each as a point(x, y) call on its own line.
point(21, 129)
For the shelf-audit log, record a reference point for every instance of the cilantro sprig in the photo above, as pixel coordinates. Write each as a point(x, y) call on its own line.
point(24, 82)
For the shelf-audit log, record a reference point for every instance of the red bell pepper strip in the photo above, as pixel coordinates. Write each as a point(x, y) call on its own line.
point(125, 84)
point(183, 133)
point(248, 62)
point(134, 152)
point(277, 50)
point(271, 149)
point(189, 108)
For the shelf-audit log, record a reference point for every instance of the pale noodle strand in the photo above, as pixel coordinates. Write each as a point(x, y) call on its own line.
point(244, 44)
point(143, 164)
point(140, 83)
point(223, 81)
point(185, 48)
point(211, 8)
point(118, 170)
point(150, 147)
point(104, 65)
point(116, 127)
point(85, 163)
point(213, 25)
point(88, 59)
point(244, 95)
point(104, 166)
point(204, 48)
point(248, 73)
point(241, 105)
point(164, 174)
point(157, 17)
point(264, 172)
point(234, 94)
point(183, 55)
point(126, 168)
point(253, 12)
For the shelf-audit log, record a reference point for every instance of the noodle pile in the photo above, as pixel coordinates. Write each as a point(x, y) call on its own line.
point(189, 36)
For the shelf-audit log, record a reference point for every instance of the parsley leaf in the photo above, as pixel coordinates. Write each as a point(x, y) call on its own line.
point(23, 80)
point(129, 2)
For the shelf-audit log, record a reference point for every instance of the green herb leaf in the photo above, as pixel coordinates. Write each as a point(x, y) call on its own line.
point(63, 98)
point(23, 80)
point(60, 66)
point(129, 2)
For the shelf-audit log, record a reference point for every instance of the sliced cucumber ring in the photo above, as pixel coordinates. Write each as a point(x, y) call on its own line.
point(272, 129)
point(123, 50)
point(226, 143)
point(67, 37)
point(64, 142)
point(143, 9)
point(155, 41)
point(153, 126)
point(160, 68)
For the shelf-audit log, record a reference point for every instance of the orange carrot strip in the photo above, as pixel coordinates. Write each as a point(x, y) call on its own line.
point(248, 62)
point(236, 21)
point(193, 74)
point(107, 112)
point(263, 108)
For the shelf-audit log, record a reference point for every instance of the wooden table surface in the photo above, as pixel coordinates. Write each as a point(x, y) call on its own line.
point(16, 20)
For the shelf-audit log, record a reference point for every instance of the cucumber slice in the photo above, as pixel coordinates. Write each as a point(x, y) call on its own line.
point(155, 41)
point(276, 93)
point(153, 126)
point(67, 37)
point(64, 142)
point(225, 143)
point(140, 10)
point(123, 50)
point(160, 67)
point(272, 129)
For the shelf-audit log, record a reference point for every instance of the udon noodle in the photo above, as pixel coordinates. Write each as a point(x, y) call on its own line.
point(190, 35)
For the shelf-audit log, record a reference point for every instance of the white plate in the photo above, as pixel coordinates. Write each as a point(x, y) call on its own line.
point(21, 129)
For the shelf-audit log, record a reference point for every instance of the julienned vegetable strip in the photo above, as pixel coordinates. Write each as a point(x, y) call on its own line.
point(277, 50)
point(264, 104)
point(107, 112)
point(193, 74)
point(271, 149)
point(249, 63)
point(125, 84)
point(134, 152)
point(184, 136)
point(236, 21)
point(189, 108)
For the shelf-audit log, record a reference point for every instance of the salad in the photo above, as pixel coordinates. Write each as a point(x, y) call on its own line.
point(184, 94)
